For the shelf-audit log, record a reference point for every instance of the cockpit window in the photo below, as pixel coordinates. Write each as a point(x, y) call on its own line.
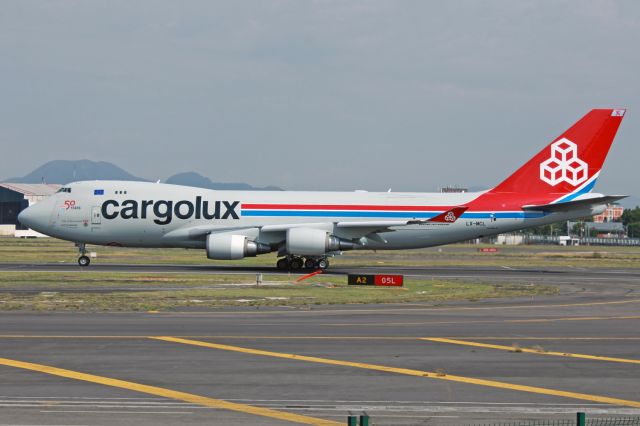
point(67, 190)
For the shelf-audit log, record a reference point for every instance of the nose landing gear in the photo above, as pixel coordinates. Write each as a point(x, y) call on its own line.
point(83, 260)
point(296, 263)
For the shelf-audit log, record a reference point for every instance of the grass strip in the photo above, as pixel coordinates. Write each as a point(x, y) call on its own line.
point(103, 291)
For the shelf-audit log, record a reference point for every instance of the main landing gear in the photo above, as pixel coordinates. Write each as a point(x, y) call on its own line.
point(296, 263)
point(83, 260)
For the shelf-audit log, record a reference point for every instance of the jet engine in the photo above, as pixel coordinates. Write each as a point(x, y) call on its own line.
point(233, 247)
point(314, 242)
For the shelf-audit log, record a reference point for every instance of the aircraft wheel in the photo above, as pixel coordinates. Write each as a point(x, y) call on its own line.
point(323, 264)
point(282, 264)
point(310, 264)
point(84, 261)
point(296, 263)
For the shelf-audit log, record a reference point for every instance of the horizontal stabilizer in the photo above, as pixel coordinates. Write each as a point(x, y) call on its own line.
point(594, 199)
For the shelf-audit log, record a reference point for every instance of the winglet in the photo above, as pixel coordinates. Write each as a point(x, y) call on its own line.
point(449, 216)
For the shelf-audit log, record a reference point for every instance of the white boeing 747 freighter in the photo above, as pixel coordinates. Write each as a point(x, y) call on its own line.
point(306, 228)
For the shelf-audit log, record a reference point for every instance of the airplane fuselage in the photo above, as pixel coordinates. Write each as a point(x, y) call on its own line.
point(140, 214)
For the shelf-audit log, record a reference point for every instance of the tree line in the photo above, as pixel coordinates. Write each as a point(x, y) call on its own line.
point(630, 219)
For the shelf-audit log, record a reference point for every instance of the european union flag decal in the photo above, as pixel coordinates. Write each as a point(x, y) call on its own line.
point(98, 192)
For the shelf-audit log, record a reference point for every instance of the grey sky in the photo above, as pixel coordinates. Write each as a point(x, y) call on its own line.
point(315, 94)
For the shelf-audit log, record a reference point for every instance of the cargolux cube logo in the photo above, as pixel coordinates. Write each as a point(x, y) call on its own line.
point(450, 217)
point(564, 165)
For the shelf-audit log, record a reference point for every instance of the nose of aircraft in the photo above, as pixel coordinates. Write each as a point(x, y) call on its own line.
point(36, 216)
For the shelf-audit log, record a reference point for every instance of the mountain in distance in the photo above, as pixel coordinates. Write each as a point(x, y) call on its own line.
point(65, 171)
point(197, 180)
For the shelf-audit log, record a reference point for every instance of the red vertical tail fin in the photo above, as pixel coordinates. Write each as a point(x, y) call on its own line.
point(572, 162)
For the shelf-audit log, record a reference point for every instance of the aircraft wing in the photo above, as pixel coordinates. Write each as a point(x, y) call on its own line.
point(199, 232)
point(590, 200)
point(449, 216)
point(351, 229)
point(370, 229)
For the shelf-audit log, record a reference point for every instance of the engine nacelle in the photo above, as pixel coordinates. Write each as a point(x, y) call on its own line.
point(233, 247)
point(314, 242)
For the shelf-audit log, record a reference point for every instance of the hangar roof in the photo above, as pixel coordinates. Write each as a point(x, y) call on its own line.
point(31, 189)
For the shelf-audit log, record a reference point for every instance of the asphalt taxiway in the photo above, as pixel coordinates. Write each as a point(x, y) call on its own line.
point(574, 283)
point(459, 363)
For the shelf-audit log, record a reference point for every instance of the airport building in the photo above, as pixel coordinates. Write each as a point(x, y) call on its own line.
point(600, 229)
point(15, 197)
point(612, 213)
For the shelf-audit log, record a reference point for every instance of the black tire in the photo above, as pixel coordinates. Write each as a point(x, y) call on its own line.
point(323, 264)
point(282, 264)
point(310, 264)
point(295, 264)
point(84, 260)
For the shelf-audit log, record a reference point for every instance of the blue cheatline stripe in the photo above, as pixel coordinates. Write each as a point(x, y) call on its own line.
point(587, 188)
point(503, 215)
point(398, 215)
point(332, 213)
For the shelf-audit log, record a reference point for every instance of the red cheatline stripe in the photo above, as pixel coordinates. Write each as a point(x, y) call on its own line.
point(343, 207)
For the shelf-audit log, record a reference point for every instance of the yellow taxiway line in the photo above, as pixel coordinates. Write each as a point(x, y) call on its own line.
point(545, 338)
point(529, 351)
point(409, 372)
point(168, 393)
